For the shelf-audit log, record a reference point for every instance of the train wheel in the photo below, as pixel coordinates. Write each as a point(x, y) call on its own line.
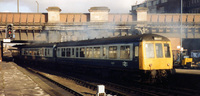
point(148, 77)
point(162, 77)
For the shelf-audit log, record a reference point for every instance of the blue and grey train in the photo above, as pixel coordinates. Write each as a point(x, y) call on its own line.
point(147, 54)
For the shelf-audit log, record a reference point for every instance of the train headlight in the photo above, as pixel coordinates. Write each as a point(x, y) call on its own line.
point(150, 65)
point(168, 64)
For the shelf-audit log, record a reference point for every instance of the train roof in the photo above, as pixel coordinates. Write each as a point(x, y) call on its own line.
point(35, 45)
point(116, 40)
point(111, 40)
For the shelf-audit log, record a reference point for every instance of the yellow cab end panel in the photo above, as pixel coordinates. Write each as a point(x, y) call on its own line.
point(154, 63)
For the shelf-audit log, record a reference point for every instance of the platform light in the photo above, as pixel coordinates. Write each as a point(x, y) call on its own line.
point(178, 47)
point(181, 49)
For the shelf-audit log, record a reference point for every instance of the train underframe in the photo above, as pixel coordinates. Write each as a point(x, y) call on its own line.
point(144, 76)
point(155, 76)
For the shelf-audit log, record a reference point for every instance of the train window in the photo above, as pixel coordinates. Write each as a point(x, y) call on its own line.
point(58, 52)
point(149, 50)
point(136, 51)
point(26, 52)
point(159, 50)
point(23, 52)
point(34, 52)
point(167, 50)
point(72, 51)
point(112, 52)
point(45, 54)
point(38, 52)
point(48, 52)
point(125, 52)
point(82, 52)
point(89, 52)
point(29, 52)
point(77, 51)
point(68, 52)
point(96, 52)
point(63, 52)
point(42, 52)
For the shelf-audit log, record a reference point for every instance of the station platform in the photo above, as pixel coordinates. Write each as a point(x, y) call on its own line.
point(13, 82)
point(188, 71)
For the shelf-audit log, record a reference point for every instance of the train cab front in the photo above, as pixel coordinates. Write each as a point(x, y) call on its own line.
point(156, 60)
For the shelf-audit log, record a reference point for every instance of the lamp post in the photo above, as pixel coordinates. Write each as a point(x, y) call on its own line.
point(181, 20)
point(37, 6)
point(147, 3)
point(181, 29)
point(17, 6)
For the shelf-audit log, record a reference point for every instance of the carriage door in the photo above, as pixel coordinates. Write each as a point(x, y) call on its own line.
point(54, 52)
point(136, 54)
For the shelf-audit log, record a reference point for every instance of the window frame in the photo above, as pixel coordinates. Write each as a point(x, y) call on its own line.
point(101, 54)
point(167, 50)
point(159, 53)
point(148, 51)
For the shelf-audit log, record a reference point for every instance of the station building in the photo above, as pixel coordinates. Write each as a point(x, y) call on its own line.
point(169, 6)
point(54, 26)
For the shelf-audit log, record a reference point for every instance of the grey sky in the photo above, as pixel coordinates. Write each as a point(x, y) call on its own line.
point(67, 6)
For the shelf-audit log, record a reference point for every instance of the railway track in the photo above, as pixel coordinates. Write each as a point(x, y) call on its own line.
point(115, 89)
point(55, 82)
point(92, 87)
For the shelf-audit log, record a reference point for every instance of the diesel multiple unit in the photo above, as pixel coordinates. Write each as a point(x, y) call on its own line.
point(147, 54)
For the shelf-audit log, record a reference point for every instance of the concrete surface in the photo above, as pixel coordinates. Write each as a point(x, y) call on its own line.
point(15, 83)
point(188, 71)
